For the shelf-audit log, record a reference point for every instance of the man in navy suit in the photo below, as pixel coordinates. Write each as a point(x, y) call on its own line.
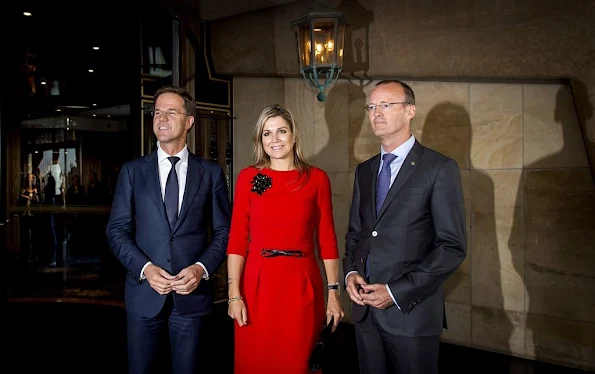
point(406, 237)
point(164, 207)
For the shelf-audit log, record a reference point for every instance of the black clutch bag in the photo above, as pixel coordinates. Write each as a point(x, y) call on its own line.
point(320, 351)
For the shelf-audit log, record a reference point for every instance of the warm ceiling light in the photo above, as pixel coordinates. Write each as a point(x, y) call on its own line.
point(27, 14)
point(90, 70)
point(94, 104)
point(96, 48)
point(43, 82)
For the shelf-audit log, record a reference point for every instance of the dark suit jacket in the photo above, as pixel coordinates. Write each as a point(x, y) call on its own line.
point(138, 231)
point(415, 243)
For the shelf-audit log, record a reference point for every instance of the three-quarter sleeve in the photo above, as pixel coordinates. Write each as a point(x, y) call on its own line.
point(325, 232)
point(240, 217)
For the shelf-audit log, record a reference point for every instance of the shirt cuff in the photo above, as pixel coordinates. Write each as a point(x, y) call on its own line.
point(348, 274)
point(142, 271)
point(206, 274)
point(392, 297)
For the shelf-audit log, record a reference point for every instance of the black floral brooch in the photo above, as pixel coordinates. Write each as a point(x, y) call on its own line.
point(260, 183)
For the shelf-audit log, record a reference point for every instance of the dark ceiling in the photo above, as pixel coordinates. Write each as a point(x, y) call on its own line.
point(57, 42)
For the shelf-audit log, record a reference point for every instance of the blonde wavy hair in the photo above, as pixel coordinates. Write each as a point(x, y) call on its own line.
point(262, 159)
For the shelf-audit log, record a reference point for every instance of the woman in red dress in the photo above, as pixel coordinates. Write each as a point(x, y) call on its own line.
point(282, 221)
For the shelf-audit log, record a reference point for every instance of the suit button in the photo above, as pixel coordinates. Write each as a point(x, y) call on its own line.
point(374, 233)
point(171, 239)
point(168, 260)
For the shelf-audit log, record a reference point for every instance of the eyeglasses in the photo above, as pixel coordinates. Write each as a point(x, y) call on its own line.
point(383, 106)
point(167, 113)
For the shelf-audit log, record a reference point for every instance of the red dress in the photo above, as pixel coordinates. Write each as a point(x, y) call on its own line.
point(284, 296)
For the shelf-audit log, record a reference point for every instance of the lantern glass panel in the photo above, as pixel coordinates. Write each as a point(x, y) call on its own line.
point(304, 44)
point(340, 44)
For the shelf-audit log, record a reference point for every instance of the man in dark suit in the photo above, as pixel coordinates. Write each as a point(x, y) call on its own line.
point(406, 237)
point(159, 229)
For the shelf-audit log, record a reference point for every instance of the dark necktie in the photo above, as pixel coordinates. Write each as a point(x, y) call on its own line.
point(172, 193)
point(383, 181)
point(382, 187)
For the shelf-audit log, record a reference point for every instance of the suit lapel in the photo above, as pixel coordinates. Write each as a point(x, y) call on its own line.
point(374, 165)
point(412, 161)
point(194, 177)
point(151, 174)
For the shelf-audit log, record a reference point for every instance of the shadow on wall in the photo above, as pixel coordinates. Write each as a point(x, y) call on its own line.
point(357, 34)
point(335, 157)
point(584, 110)
point(442, 123)
point(355, 68)
point(558, 201)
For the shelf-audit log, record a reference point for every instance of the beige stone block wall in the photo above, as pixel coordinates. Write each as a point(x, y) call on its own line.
point(526, 286)
point(508, 39)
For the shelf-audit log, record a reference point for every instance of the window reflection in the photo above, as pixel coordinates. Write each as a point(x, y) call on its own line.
point(66, 176)
point(156, 46)
point(158, 65)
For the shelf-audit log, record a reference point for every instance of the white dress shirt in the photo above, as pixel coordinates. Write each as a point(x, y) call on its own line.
point(401, 152)
point(182, 170)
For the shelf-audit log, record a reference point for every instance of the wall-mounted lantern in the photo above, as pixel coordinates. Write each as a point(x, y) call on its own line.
point(321, 39)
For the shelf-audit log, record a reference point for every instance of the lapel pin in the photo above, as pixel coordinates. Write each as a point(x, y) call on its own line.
point(412, 163)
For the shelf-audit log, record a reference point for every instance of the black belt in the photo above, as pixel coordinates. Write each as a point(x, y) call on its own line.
point(281, 252)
